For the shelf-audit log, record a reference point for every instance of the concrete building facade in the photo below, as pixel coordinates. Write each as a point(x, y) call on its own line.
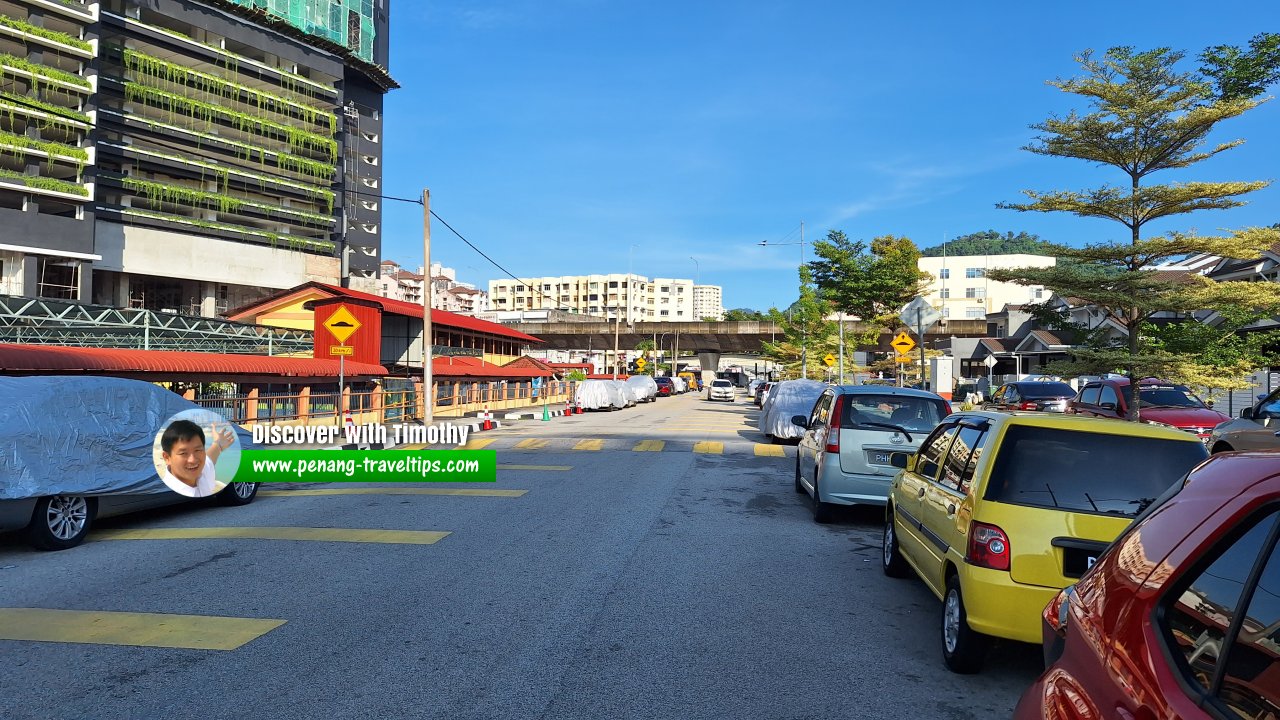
point(708, 302)
point(962, 291)
point(189, 156)
point(633, 297)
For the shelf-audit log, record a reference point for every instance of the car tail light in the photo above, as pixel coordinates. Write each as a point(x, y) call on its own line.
point(1056, 612)
point(1027, 406)
point(946, 405)
point(833, 425)
point(988, 547)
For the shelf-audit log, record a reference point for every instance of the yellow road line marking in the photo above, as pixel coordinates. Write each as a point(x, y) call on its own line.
point(477, 444)
point(649, 446)
point(391, 491)
point(769, 450)
point(589, 445)
point(192, 632)
point(536, 467)
point(710, 447)
point(532, 444)
point(399, 537)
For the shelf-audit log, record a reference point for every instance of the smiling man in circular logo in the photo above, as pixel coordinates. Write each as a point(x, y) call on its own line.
point(190, 464)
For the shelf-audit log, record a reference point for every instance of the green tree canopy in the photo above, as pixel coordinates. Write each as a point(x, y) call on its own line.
point(744, 315)
point(990, 242)
point(1146, 116)
point(807, 334)
point(871, 282)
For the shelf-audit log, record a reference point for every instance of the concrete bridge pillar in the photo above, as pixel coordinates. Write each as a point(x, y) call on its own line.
point(709, 361)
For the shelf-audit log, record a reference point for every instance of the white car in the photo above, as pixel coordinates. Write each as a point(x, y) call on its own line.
point(720, 390)
point(682, 385)
point(645, 387)
point(599, 395)
point(629, 394)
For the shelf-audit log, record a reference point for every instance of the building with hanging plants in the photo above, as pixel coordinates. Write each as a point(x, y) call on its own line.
point(190, 156)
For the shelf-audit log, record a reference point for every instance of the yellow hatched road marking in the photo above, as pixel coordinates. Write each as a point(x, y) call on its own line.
point(477, 444)
point(589, 445)
point(392, 491)
point(709, 447)
point(531, 444)
point(192, 632)
point(769, 450)
point(649, 446)
point(395, 537)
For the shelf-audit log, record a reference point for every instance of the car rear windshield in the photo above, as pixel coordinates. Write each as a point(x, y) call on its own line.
point(1087, 472)
point(916, 414)
point(1173, 396)
point(1044, 390)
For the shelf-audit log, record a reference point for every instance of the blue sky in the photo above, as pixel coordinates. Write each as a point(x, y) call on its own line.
point(557, 134)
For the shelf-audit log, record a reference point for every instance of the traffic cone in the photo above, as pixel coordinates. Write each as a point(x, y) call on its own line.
point(546, 413)
point(487, 417)
point(350, 424)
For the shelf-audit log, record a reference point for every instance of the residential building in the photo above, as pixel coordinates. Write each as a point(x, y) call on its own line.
point(962, 290)
point(396, 283)
point(633, 297)
point(707, 302)
point(446, 292)
point(190, 156)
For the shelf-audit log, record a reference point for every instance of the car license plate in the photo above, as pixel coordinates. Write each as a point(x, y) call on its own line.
point(1075, 561)
point(878, 457)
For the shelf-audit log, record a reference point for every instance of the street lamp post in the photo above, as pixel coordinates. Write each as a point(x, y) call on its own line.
point(804, 343)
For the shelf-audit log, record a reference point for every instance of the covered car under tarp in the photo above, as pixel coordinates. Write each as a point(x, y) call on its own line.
point(629, 394)
point(86, 435)
point(645, 387)
point(786, 399)
point(599, 395)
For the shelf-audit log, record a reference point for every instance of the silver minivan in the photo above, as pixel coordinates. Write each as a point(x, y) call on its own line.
point(849, 438)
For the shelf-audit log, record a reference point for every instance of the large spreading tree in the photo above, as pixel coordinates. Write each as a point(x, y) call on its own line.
point(871, 282)
point(1146, 116)
point(806, 332)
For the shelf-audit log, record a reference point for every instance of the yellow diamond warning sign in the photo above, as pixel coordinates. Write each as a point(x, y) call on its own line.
point(903, 343)
point(342, 324)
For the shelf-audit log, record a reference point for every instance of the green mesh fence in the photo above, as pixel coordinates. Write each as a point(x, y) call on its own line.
point(346, 22)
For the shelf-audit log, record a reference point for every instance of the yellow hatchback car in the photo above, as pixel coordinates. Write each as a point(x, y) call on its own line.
point(998, 512)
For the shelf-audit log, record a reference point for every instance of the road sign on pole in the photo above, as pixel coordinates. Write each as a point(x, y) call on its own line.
point(903, 343)
point(920, 315)
point(342, 324)
point(830, 360)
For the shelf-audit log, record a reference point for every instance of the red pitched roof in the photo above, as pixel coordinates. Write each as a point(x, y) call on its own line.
point(58, 359)
point(461, 366)
point(397, 307)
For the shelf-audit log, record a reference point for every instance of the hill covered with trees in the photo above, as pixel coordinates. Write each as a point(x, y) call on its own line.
point(990, 242)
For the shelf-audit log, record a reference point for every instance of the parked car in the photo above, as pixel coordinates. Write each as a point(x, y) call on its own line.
point(1162, 403)
point(753, 388)
point(1255, 429)
point(645, 388)
point(66, 464)
point(1031, 395)
point(665, 386)
point(763, 393)
point(848, 438)
point(680, 385)
point(785, 401)
point(630, 397)
point(1180, 618)
point(721, 390)
point(998, 512)
point(599, 395)
point(694, 380)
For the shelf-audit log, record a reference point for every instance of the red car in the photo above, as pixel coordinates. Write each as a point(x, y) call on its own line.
point(1163, 402)
point(665, 386)
point(1180, 617)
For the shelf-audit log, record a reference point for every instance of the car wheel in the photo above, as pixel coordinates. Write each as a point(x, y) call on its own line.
point(61, 522)
point(823, 513)
point(238, 493)
point(894, 565)
point(799, 487)
point(963, 650)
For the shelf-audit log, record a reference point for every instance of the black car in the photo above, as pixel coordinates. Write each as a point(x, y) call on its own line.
point(1039, 395)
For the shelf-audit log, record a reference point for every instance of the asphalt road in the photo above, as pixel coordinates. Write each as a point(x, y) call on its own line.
point(683, 581)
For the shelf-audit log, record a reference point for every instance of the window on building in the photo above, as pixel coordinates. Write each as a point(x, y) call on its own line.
point(546, 286)
point(613, 284)
point(665, 289)
point(944, 274)
point(975, 272)
point(975, 292)
point(664, 313)
point(58, 278)
point(1039, 293)
point(975, 313)
point(519, 288)
point(946, 312)
point(944, 293)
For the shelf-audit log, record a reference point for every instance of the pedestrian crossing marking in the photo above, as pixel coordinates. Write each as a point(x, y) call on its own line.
point(709, 447)
point(589, 445)
point(649, 446)
point(477, 444)
point(769, 450)
point(532, 444)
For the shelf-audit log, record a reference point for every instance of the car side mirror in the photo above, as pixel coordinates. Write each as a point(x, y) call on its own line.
point(1246, 414)
point(899, 460)
point(1108, 406)
point(800, 420)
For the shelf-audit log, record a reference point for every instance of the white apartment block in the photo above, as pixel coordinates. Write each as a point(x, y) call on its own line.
point(707, 302)
point(633, 297)
point(447, 293)
point(961, 290)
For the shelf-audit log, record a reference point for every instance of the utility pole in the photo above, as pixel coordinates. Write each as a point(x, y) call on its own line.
point(804, 337)
point(429, 395)
point(842, 348)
